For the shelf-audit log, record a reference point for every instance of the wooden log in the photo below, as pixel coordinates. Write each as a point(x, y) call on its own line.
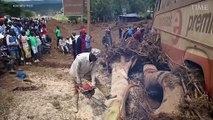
point(119, 87)
point(123, 106)
point(173, 94)
point(172, 90)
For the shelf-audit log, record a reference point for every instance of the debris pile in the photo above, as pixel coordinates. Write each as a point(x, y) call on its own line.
point(137, 105)
point(195, 103)
point(145, 52)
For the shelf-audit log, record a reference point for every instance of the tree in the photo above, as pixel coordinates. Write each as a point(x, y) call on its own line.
point(28, 13)
point(105, 10)
point(9, 9)
point(102, 10)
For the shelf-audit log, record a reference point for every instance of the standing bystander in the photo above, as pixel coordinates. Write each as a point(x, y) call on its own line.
point(58, 35)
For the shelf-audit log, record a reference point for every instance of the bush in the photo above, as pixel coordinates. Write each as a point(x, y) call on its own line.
point(144, 15)
point(28, 13)
point(77, 19)
point(74, 19)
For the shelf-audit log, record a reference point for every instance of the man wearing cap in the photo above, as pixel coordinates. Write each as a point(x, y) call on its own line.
point(81, 42)
point(84, 66)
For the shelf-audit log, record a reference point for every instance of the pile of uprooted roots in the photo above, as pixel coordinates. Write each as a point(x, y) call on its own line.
point(145, 52)
point(196, 104)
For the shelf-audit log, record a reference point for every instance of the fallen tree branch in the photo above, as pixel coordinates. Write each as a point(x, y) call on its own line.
point(197, 88)
point(123, 103)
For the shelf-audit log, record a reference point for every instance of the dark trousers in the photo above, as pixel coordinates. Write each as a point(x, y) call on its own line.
point(58, 38)
point(39, 51)
point(74, 50)
point(120, 34)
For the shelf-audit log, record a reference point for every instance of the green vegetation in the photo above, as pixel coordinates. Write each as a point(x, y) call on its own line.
point(28, 13)
point(9, 9)
point(101, 10)
point(61, 18)
point(107, 10)
point(12, 9)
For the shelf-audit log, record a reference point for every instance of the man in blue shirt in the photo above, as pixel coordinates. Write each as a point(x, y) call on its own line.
point(15, 29)
point(129, 32)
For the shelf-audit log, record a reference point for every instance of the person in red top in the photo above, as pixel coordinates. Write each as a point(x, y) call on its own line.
point(43, 32)
point(138, 35)
point(81, 42)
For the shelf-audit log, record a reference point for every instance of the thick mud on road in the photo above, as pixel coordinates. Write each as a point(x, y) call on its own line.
point(46, 94)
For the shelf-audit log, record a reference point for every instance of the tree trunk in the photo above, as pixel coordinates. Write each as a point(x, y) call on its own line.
point(120, 88)
point(172, 90)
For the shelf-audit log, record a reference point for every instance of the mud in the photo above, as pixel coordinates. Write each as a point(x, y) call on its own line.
point(46, 93)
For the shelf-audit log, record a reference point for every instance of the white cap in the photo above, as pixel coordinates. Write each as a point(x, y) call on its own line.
point(96, 52)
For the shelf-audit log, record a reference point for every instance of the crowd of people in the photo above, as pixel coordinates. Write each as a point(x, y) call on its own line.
point(136, 32)
point(74, 44)
point(77, 44)
point(25, 40)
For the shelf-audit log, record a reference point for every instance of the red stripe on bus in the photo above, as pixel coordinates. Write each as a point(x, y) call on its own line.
point(179, 56)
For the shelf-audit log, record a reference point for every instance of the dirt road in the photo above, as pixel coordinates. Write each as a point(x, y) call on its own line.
point(47, 92)
point(45, 95)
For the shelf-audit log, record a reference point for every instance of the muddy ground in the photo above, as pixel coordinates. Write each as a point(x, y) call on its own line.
point(46, 93)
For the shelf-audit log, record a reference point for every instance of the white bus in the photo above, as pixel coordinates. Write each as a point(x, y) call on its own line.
point(185, 30)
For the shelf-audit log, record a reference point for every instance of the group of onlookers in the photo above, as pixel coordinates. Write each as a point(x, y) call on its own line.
point(77, 44)
point(26, 39)
point(136, 32)
point(74, 44)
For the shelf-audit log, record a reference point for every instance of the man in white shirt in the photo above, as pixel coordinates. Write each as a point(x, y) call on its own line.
point(83, 66)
